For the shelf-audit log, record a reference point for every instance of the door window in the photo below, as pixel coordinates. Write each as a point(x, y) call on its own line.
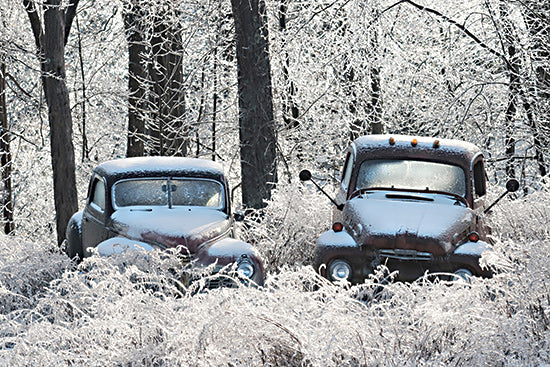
point(479, 179)
point(98, 195)
point(346, 173)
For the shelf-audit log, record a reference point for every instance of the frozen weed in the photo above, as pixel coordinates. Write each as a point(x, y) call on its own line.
point(131, 310)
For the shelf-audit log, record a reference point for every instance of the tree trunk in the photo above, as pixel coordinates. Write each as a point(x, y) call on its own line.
point(374, 105)
point(513, 90)
point(169, 132)
point(60, 119)
point(5, 157)
point(256, 124)
point(289, 107)
point(137, 75)
point(536, 18)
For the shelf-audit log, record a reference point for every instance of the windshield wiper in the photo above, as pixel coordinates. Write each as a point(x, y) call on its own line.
point(457, 197)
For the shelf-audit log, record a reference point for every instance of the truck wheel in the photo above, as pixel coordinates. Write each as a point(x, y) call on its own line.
point(462, 274)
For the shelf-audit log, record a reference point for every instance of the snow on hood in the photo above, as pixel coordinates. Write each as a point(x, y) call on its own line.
point(185, 226)
point(389, 223)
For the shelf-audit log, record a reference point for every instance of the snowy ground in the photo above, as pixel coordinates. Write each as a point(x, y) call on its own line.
point(109, 313)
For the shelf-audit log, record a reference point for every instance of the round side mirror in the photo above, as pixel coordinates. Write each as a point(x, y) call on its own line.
point(512, 185)
point(305, 175)
point(238, 216)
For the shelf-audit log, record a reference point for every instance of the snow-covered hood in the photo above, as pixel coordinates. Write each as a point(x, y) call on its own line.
point(404, 224)
point(185, 226)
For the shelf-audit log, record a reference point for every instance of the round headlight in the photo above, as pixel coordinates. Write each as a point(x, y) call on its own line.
point(245, 269)
point(339, 270)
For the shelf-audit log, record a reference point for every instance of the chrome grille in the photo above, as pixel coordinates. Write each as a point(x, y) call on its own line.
point(185, 258)
point(402, 254)
point(212, 281)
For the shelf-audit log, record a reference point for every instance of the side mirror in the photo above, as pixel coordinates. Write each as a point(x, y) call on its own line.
point(305, 175)
point(512, 185)
point(238, 216)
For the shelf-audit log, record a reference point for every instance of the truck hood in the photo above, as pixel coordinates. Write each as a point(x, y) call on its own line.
point(189, 227)
point(406, 224)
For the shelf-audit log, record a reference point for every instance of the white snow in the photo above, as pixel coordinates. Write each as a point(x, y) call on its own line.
point(473, 248)
point(174, 222)
point(229, 247)
point(118, 245)
point(338, 239)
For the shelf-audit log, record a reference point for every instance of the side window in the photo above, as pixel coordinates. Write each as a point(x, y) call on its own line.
point(97, 195)
point(346, 173)
point(479, 179)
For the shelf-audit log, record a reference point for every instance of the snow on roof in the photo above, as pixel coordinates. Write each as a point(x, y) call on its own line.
point(390, 145)
point(159, 165)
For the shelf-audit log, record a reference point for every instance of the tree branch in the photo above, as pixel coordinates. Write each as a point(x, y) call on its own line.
point(464, 30)
point(69, 17)
point(36, 26)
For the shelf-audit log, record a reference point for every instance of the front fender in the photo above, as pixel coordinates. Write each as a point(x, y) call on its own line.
point(336, 239)
point(74, 236)
point(117, 245)
point(469, 254)
point(228, 251)
point(332, 245)
point(472, 248)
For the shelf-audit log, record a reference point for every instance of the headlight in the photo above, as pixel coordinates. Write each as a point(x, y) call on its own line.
point(245, 269)
point(339, 270)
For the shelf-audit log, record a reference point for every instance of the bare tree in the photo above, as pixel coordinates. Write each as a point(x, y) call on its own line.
point(5, 156)
point(536, 15)
point(50, 39)
point(167, 98)
point(134, 27)
point(156, 118)
point(290, 109)
point(257, 132)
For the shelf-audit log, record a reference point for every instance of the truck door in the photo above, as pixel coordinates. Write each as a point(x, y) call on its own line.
point(94, 215)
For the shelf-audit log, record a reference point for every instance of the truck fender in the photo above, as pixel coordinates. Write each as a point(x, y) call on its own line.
point(472, 248)
point(118, 245)
point(336, 239)
point(73, 236)
point(229, 250)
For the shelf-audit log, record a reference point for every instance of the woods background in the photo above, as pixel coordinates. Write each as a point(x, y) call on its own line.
point(267, 87)
point(289, 82)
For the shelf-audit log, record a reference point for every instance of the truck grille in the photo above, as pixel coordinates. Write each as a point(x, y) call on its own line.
point(185, 258)
point(212, 281)
point(402, 254)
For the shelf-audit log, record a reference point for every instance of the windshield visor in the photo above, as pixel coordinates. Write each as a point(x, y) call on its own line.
point(168, 192)
point(412, 175)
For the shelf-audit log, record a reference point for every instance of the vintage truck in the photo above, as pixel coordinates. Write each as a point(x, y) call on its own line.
point(160, 203)
point(417, 205)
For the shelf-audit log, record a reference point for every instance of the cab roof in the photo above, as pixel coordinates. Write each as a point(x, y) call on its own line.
point(123, 168)
point(389, 146)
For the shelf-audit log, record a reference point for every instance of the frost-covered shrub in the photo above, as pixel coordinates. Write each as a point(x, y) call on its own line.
point(132, 310)
point(286, 230)
point(103, 318)
point(25, 270)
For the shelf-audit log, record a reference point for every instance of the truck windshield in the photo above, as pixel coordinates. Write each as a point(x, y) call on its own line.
point(411, 174)
point(168, 192)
